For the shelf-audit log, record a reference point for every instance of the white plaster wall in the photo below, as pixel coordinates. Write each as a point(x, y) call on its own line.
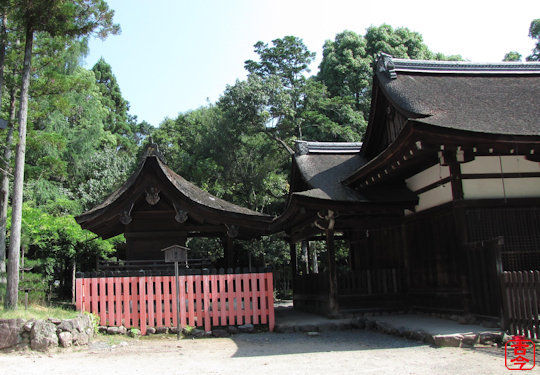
point(492, 164)
point(483, 188)
point(434, 197)
point(427, 177)
point(497, 188)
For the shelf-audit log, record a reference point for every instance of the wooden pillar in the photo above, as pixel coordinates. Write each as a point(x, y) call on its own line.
point(460, 219)
point(455, 180)
point(333, 305)
point(292, 250)
point(305, 257)
point(314, 260)
point(228, 252)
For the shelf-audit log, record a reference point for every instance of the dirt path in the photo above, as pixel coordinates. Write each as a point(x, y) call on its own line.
point(345, 352)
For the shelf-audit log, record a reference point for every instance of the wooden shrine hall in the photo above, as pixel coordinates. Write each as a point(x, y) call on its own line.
point(443, 193)
point(156, 208)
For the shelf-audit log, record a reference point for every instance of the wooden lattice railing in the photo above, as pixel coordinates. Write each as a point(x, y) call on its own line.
point(521, 300)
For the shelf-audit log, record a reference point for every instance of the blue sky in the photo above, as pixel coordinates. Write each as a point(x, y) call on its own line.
point(176, 55)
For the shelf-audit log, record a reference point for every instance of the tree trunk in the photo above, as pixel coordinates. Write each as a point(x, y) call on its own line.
point(12, 294)
point(4, 192)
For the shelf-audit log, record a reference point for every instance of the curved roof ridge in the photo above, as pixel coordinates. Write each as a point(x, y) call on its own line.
point(202, 197)
point(315, 147)
point(391, 66)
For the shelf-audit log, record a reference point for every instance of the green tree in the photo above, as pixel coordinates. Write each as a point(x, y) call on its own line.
point(512, 56)
point(400, 43)
point(534, 32)
point(345, 67)
point(282, 68)
point(99, 175)
point(118, 121)
point(330, 118)
point(56, 17)
point(346, 70)
point(57, 243)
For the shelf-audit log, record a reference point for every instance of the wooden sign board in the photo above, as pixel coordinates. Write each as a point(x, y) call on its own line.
point(175, 253)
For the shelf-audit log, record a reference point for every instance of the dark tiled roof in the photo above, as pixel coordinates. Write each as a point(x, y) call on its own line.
point(324, 172)
point(185, 189)
point(501, 98)
point(196, 194)
point(325, 165)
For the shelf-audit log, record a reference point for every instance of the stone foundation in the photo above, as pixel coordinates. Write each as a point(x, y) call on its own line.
point(43, 335)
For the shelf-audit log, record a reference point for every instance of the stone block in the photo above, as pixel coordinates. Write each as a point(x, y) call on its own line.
point(80, 338)
point(65, 338)
point(246, 328)
point(10, 330)
point(28, 325)
point(162, 330)
point(197, 332)
point(43, 336)
point(469, 339)
point(488, 338)
point(448, 340)
point(55, 321)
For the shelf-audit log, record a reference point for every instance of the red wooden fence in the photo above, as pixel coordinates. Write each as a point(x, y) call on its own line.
point(205, 300)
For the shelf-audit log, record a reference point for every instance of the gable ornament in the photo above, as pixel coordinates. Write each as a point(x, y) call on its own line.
point(152, 195)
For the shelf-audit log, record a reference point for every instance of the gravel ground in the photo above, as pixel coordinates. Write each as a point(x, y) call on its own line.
point(343, 352)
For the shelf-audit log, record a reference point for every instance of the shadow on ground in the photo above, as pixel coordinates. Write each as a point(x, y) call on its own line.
point(264, 344)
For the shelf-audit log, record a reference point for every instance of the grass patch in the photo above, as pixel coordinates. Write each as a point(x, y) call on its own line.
point(38, 312)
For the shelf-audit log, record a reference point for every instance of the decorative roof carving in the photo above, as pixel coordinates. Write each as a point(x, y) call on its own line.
point(152, 196)
point(385, 63)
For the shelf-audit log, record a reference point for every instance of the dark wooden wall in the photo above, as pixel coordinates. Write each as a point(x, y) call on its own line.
point(434, 259)
point(520, 228)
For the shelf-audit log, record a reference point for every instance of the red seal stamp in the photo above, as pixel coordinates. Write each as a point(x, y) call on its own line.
point(519, 354)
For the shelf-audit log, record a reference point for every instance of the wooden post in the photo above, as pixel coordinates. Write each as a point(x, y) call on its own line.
point(292, 250)
point(73, 281)
point(228, 251)
point(333, 306)
point(177, 282)
point(305, 256)
point(314, 260)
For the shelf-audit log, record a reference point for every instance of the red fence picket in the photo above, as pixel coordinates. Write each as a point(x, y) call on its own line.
point(205, 300)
